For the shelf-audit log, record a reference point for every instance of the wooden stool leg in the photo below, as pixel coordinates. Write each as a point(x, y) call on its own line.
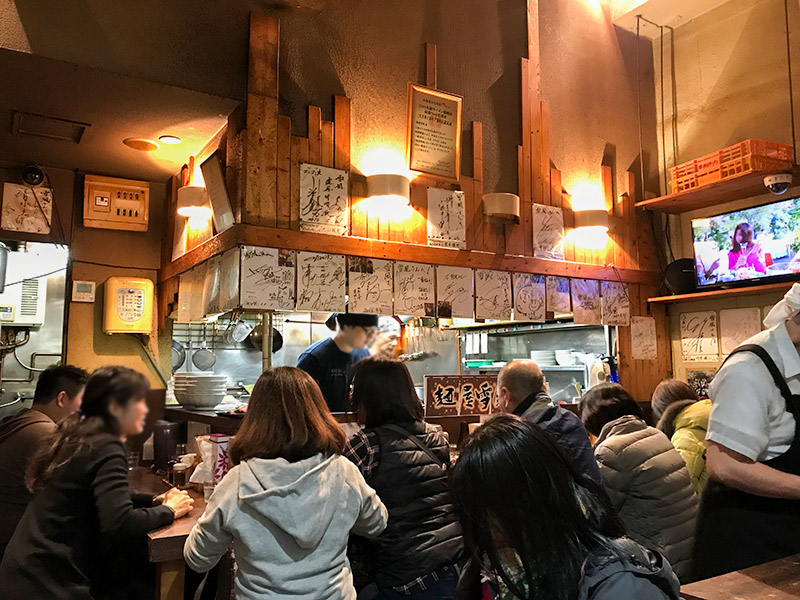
point(170, 577)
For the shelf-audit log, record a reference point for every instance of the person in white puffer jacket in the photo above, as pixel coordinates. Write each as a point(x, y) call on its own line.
point(291, 501)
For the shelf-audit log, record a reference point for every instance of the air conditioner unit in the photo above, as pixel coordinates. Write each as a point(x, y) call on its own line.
point(23, 301)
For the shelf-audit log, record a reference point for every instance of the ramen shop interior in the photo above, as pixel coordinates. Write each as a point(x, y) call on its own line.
point(204, 205)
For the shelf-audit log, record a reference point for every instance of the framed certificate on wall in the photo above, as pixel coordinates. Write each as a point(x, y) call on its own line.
point(434, 132)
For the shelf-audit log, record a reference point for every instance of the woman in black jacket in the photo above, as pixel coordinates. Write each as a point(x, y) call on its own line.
point(68, 544)
point(536, 528)
point(405, 461)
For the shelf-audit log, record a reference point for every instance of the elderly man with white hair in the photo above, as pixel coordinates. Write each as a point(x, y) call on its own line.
point(750, 509)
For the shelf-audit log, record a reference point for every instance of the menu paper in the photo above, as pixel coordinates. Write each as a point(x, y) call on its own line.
point(446, 219)
point(267, 278)
point(323, 199)
point(455, 297)
point(492, 294)
point(414, 289)
point(370, 286)
point(320, 282)
point(616, 304)
point(644, 345)
point(586, 308)
point(548, 232)
point(529, 297)
point(558, 294)
point(737, 325)
point(699, 336)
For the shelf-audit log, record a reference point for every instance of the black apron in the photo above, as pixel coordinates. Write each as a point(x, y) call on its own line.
point(735, 529)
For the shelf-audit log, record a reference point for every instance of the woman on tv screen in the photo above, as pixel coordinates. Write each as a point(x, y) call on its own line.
point(743, 254)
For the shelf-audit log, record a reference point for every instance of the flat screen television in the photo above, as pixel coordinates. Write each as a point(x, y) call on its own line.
point(746, 247)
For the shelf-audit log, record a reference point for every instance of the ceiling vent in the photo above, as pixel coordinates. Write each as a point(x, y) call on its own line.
point(51, 128)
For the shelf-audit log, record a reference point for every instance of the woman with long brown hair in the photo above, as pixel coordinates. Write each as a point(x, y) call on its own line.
point(84, 519)
point(291, 500)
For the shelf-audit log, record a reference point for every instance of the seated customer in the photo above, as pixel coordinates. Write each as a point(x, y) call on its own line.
point(539, 529)
point(644, 475)
point(405, 460)
point(58, 394)
point(522, 390)
point(684, 420)
point(291, 501)
point(84, 515)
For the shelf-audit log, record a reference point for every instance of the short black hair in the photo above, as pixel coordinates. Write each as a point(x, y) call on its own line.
point(59, 378)
point(605, 403)
point(383, 392)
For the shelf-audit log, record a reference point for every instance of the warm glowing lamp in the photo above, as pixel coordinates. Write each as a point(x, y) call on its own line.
point(591, 228)
point(193, 202)
point(388, 194)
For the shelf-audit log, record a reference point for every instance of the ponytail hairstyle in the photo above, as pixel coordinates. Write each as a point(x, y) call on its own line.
point(107, 386)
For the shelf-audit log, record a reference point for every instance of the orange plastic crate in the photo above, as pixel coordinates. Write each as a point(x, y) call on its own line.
point(744, 157)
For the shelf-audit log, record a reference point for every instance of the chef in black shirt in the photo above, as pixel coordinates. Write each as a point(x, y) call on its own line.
point(329, 361)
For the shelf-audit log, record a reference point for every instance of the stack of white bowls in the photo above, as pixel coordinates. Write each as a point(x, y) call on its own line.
point(200, 389)
point(544, 358)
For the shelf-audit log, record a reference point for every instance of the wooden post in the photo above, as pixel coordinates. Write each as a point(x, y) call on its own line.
point(259, 206)
point(431, 67)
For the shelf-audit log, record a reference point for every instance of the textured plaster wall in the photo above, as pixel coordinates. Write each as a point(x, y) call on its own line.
point(589, 80)
point(366, 49)
point(731, 84)
point(731, 80)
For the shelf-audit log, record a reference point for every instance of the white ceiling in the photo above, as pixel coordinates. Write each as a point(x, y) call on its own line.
point(673, 13)
point(115, 106)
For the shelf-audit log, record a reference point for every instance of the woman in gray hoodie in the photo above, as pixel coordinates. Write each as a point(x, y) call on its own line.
point(291, 500)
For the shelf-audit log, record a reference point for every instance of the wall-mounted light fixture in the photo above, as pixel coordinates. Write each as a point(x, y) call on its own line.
point(388, 194)
point(501, 208)
point(193, 202)
point(591, 228)
point(596, 219)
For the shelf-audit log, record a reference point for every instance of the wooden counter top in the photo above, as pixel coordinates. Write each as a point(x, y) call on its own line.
point(777, 580)
point(166, 543)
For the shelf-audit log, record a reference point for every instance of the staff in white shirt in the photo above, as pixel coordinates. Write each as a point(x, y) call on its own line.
point(750, 510)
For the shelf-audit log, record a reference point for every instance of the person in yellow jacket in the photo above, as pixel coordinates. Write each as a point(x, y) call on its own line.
point(684, 420)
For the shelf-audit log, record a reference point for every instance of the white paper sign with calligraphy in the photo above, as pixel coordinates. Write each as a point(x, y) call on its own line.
point(370, 286)
point(699, 336)
point(320, 282)
point(558, 294)
point(434, 132)
point(492, 294)
point(548, 232)
point(586, 308)
point(26, 209)
point(454, 292)
point(616, 304)
point(323, 199)
point(447, 219)
point(414, 289)
point(737, 325)
point(529, 298)
point(644, 345)
point(267, 278)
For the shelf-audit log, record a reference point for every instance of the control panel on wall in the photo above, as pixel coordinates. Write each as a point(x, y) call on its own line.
point(128, 305)
point(110, 203)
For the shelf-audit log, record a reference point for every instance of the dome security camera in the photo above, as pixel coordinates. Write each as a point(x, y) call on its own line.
point(778, 184)
point(32, 175)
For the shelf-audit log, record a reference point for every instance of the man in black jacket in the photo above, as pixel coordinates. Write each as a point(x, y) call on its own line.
point(522, 390)
point(58, 395)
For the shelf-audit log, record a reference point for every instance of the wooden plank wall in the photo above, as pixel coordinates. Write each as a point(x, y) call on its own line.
point(264, 161)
